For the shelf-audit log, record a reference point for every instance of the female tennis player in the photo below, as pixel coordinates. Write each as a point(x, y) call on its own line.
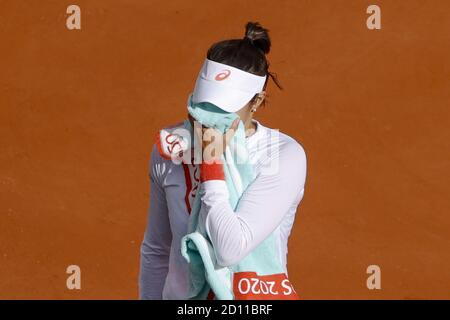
point(234, 77)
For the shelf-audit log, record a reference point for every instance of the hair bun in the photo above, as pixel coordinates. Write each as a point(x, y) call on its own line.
point(258, 36)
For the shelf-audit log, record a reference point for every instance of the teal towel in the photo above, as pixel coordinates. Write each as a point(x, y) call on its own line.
point(196, 248)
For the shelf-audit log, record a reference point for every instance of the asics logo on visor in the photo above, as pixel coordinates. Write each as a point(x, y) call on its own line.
point(222, 75)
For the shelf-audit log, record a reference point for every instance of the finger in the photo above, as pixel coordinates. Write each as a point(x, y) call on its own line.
point(235, 124)
point(232, 131)
point(210, 135)
point(198, 132)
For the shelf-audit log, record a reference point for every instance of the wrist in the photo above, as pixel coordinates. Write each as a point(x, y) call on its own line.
point(211, 171)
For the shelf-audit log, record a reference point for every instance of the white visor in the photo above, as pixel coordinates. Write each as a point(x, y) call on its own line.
point(227, 87)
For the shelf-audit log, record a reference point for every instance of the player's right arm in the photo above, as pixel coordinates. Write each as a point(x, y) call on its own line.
point(155, 248)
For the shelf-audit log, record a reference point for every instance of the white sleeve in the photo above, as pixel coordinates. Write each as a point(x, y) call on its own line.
point(155, 248)
point(260, 209)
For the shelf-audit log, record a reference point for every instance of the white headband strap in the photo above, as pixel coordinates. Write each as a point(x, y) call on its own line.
point(227, 87)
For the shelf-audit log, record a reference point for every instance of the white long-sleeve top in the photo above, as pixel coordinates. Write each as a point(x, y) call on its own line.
point(267, 206)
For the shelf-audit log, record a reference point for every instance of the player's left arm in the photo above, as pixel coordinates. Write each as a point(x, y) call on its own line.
point(261, 208)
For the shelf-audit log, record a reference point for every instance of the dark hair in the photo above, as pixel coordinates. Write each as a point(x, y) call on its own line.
point(248, 54)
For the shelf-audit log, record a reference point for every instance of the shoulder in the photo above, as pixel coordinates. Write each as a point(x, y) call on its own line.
point(291, 148)
point(160, 157)
point(284, 157)
point(155, 154)
point(284, 164)
point(171, 141)
point(282, 145)
point(157, 165)
point(292, 159)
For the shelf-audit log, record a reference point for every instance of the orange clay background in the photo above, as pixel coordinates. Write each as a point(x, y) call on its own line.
point(79, 110)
